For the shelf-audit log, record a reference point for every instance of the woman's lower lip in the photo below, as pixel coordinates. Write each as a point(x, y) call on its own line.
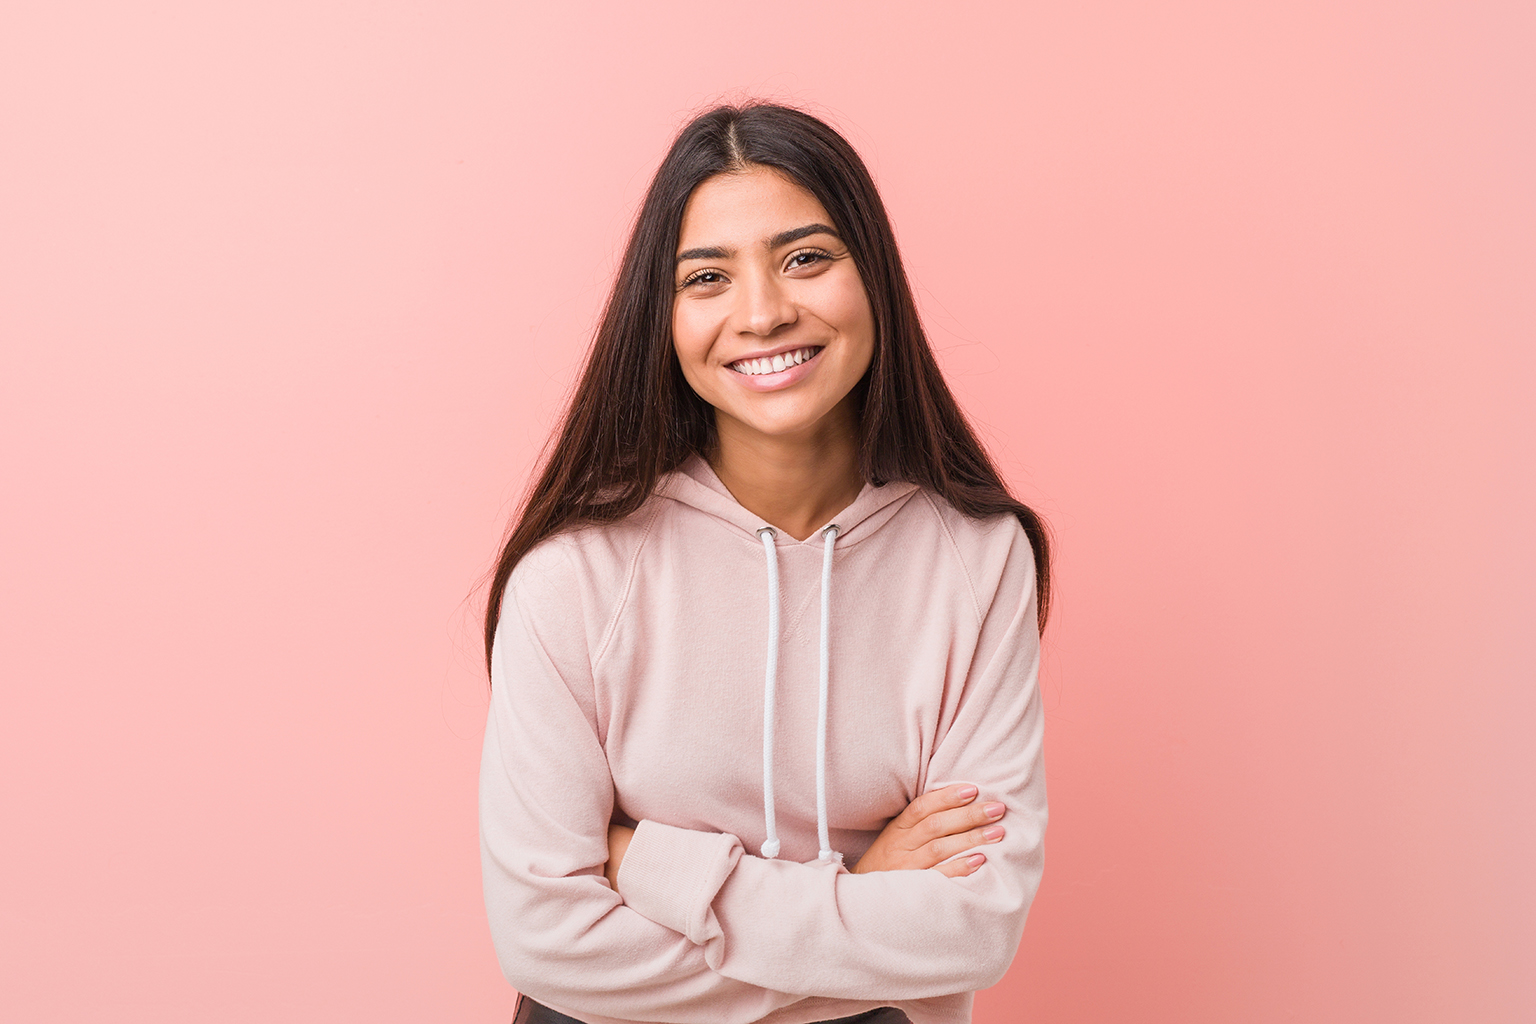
point(773, 381)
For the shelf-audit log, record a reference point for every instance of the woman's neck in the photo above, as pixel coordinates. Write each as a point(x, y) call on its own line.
point(795, 484)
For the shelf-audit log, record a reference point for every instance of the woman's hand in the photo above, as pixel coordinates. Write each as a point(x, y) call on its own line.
point(932, 829)
point(618, 842)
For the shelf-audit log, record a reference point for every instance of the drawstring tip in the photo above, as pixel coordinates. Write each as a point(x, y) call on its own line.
point(771, 849)
point(826, 856)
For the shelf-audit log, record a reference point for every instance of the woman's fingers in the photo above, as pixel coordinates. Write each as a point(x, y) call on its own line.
point(940, 836)
point(961, 866)
point(947, 847)
point(935, 802)
point(932, 829)
point(957, 820)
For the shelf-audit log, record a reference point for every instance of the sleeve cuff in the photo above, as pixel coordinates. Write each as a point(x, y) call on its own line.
point(671, 875)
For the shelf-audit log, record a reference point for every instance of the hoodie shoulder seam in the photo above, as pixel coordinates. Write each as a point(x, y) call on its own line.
point(954, 547)
point(629, 582)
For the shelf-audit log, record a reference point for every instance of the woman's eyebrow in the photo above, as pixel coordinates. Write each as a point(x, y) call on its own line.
point(795, 234)
point(709, 252)
point(715, 252)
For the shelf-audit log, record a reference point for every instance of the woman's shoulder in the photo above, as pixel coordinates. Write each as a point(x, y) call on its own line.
point(996, 533)
point(587, 556)
point(569, 586)
point(990, 552)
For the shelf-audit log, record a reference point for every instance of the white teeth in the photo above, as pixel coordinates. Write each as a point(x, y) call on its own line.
point(773, 364)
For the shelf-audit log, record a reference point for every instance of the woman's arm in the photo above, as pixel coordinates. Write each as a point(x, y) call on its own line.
point(891, 935)
point(546, 797)
point(928, 833)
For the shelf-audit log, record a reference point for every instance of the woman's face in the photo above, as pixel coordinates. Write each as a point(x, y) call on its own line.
point(769, 318)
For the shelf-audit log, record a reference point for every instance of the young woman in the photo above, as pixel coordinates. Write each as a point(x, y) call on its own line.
point(765, 737)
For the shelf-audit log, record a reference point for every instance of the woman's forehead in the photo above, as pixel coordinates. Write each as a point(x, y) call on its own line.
point(747, 208)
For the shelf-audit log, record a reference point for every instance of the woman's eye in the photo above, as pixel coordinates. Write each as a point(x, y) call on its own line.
point(807, 258)
point(704, 277)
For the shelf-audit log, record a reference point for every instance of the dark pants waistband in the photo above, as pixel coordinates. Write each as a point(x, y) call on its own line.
point(530, 1012)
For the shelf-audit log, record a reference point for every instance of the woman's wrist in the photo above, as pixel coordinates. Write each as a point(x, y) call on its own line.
point(619, 837)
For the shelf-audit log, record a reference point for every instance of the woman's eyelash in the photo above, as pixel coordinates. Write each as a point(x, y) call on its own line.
point(818, 254)
point(810, 256)
point(699, 275)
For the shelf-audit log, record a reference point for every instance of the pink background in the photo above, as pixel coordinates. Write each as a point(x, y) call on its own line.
point(1241, 294)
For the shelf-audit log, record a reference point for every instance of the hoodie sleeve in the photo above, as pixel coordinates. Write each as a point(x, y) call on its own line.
point(562, 934)
point(821, 930)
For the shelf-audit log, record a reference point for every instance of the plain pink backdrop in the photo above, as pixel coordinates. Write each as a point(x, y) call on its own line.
point(1241, 295)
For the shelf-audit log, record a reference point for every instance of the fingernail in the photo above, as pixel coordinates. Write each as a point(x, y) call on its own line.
point(992, 834)
point(994, 810)
point(966, 793)
point(976, 860)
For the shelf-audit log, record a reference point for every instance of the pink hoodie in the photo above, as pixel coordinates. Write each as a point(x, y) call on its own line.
point(628, 683)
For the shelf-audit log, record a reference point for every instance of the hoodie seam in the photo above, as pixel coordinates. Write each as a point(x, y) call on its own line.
point(954, 547)
point(629, 582)
point(698, 896)
point(682, 478)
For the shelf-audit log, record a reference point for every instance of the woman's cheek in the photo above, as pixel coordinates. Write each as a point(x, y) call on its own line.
point(690, 334)
point(844, 300)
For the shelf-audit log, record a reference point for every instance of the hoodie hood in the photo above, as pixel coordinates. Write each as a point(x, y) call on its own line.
point(695, 484)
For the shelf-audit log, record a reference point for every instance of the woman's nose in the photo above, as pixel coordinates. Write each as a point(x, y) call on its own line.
point(765, 305)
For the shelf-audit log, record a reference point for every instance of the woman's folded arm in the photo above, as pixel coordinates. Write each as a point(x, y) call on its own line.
point(562, 935)
point(819, 930)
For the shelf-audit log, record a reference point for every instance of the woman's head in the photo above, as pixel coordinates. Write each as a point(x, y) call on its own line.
point(634, 416)
point(771, 325)
point(805, 151)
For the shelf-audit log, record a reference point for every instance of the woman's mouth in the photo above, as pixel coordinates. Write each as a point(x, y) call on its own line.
point(774, 364)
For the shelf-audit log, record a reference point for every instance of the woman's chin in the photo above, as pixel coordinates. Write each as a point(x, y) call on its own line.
point(811, 427)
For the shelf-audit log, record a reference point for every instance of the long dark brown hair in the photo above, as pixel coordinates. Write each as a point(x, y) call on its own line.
point(634, 418)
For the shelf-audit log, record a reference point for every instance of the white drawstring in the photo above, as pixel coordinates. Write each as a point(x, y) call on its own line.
point(771, 844)
point(829, 536)
point(770, 681)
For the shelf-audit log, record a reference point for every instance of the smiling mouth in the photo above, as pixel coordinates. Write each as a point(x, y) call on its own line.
point(774, 364)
